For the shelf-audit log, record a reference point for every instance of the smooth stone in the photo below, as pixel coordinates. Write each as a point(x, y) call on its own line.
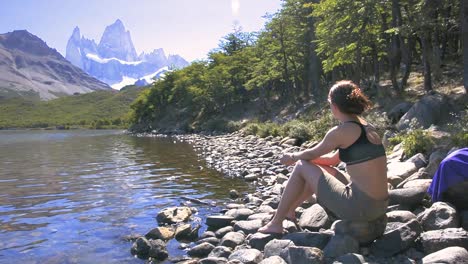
point(220, 252)
point(259, 240)
point(435, 240)
point(173, 215)
point(201, 250)
point(439, 216)
point(248, 226)
point(278, 247)
point(232, 239)
point(223, 231)
point(309, 239)
point(310, 255)
point(264, 217)
point(340, 245)
point(217, 221)
point(350, 258)
point(447, 255)
point(273, 260)
point(187, 232)
point(145, 248)
point(397, 240)
point(163, 233)
point(314, 218)
point(247, 256)
point(212, 240)
point(207, 234)
point(212, 260)
point(239, 214)
point(401, 216)
point(363, 231)
point(411, 197)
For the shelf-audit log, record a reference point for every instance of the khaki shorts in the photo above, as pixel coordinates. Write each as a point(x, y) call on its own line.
point(347, 201)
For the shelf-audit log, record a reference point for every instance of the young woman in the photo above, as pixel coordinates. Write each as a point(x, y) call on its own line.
point(362, 193)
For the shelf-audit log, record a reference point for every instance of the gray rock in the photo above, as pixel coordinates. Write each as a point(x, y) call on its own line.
point(252, 177)
point(305, 255)
point(278, 247)
point(398, 111)
point(363, 231)
point(145, 248)
point(439, 216)
point(207, 234)
point(265, 209)
point(419, 160)
point(187, 232)
point(264, 217)
point(217, 221)
point(239, 214)
point(259, 240)
point(223, 231)
point(220, 252)
point(434, 161)
point(350, 258)
point(418, 183)
point(314, 218)
point(411, 197)
point(435, 240)
point(232, 239)
point(163, 233)
point(212, 240)
point(427, 111)
point(201, 250)
point(400, 170)
point(273, 260)
point(213, 260)
point(248, 226)
point(247, 256)
point(233, 194)
point(400, 216)
point(280, 178)
point(272, 202)
point(173, 215)
point(447, 255)
point(309, 239)
point(340, 245)
point(397, 240)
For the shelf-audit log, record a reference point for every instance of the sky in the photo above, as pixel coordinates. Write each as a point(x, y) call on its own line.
point(190, 28)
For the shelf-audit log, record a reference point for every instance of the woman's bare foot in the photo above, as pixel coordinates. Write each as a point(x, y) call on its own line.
point(272, 228)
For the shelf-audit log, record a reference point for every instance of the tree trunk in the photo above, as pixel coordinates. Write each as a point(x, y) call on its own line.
point(426, 53)
point(464, 39)
point(407, 61)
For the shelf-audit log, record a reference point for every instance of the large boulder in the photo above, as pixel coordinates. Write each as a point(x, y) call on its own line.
point(309, 239)
point(398, 111)
point(447, 255)
point(145, 248)
point(174, 215)
point(278, 247)
point(340, 245)
point(363, 231)
point(439, 216)
point(397, 240)
point(409, 197)
point(435, 240)
point(427, 111)
point(314, 218)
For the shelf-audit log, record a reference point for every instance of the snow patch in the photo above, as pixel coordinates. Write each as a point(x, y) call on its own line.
point(131, 81)
point(98, 59)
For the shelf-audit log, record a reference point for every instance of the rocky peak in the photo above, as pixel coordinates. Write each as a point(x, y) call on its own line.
point(116, 42)
point(76, 35)
point(26, 42)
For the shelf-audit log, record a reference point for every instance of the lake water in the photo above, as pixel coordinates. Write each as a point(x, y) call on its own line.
point(71, 196)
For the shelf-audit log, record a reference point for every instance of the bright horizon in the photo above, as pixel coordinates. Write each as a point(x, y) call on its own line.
point(185, 27)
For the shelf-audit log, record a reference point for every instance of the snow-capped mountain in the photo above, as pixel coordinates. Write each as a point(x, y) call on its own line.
point(115, 61)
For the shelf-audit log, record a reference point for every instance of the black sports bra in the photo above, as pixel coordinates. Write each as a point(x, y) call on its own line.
point(361, 150)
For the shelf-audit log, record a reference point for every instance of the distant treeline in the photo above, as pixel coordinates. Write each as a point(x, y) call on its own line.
point(308, 45)
point(96, 110)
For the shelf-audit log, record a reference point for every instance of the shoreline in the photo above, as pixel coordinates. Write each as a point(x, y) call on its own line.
point(256, 160)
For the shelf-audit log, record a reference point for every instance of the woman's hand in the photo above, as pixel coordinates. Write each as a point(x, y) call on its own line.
point(288, 159)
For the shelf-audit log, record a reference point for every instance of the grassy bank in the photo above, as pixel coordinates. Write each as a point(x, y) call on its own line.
point(96, 110)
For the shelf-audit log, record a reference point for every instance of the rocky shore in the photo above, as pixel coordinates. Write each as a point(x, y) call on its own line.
point(415, 229)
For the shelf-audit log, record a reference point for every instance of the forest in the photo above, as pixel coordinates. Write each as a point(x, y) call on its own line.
point(304, 48)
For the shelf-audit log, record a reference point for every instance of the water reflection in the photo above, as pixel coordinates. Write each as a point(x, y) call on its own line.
point(69, 196)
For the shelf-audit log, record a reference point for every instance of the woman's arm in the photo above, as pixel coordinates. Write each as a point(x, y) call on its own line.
point(330, 159)
point(330, 142)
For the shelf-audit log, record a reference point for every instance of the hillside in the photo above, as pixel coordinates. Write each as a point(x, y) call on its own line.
point(99, 109)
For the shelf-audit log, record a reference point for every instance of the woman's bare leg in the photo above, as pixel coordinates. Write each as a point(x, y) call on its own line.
point(304, 173)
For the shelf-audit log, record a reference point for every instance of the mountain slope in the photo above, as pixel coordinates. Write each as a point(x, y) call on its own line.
point(29, 67)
